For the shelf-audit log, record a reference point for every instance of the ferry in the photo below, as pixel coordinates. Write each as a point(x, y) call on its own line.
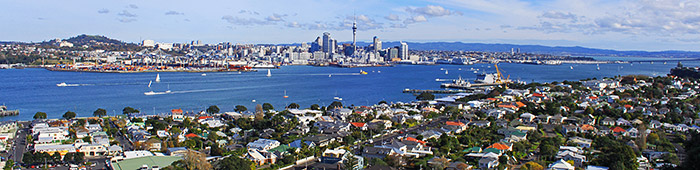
point(458, 83)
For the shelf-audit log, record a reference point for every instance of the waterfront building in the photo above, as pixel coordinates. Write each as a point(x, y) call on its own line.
point(377, 44)
point(403, 51)
point(328, 43)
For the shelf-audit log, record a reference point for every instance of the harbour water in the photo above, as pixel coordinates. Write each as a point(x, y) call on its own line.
point(34, 90)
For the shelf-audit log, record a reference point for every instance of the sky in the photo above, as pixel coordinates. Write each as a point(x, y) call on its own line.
point(650, 25)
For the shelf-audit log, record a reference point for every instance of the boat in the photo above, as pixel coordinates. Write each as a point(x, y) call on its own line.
point(379, 71)
point(597, 67)
point(150, 93)
point(64, 84)
point(149, 84)
point(338, 98)
point(329, 75)
point(571, 67)
point(285, 94)
point(446, 72)
point(664, 62)
point(458, 83)
point(363, 72)
point(268, 73)
point(157, 79)
point(204, 74)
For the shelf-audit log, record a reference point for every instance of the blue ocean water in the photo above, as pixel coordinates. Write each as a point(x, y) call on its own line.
point(33, 90)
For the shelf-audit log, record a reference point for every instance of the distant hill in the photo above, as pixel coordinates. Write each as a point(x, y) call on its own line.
point(92, 39)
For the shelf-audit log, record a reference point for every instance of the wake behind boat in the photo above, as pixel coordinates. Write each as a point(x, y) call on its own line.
point(64, 84)
point(150, 93)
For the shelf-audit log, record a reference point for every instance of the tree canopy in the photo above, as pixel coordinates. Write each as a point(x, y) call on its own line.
point(240, 108)
point(213, 109)
point(100, 112)
point(129, 110)
point(425, 96)
point(40, 115)
point(69, 115)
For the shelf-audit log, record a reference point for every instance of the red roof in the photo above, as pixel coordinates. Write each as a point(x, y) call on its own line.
point(205, 117)
point(587, 127)
point(191, 135)
point(618, 130)
point(453, 123)
point(628, 106)
point(358, 124)
point(415, 140)
point(507, 106)
point(176, 111)
point(499, 146)
point(537, 95)
point(593, 97)
point(494, 99)
point(520, 104)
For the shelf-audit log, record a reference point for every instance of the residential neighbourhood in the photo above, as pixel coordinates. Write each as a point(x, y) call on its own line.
point(629, 121)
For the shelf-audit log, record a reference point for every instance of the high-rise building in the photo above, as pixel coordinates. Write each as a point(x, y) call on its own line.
point(328, 45)
point(377, 44)
point(403, 51)
point(148, 43)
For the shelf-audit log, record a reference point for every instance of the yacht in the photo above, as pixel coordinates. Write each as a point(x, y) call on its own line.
point(157, 78)
point(204, 74)
point(268, 73)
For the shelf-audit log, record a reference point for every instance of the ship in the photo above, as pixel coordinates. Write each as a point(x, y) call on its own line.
point(457, 83)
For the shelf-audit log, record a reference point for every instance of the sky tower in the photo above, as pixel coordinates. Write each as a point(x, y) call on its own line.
point(354, 33)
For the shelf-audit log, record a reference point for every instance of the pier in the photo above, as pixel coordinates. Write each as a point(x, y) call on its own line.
point(5, 112)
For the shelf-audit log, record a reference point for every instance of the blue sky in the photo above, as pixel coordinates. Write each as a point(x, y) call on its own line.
point(623, 25)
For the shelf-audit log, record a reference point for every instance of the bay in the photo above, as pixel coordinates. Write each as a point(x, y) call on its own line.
point(34, 90)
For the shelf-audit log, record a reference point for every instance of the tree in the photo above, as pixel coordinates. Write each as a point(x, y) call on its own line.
point(335, 104)
point(382, 102)
point(99, 112)
point(425, 96)
point(195, 160)
point(315, 107)
point(240, 108)
point(233, 163)
point(267, 107)
point(293, 106)
point(533, 166)
point(213, 109)
point(40, 115)
point(8, 166)
point(129, 110)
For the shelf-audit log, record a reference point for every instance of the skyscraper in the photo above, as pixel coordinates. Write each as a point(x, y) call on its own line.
point(377, 44)
point(328, 45)
point(403, 51)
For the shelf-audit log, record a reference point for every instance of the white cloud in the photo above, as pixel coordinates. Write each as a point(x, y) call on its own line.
point(103, 11)
point(174, 13)
point(133, 6)
point(275, 17)
point(392, 17)
point(415, 19)
point(431, 11)
point(244, 21)
point(125, 13)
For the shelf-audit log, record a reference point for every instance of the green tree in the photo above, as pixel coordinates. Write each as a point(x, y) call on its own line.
point(293, 106)
point(425, 96)
point(267, 106)
point(129, 110)
point(233, 163)
point(315, 107)
point(9, 164)
point(335, 104)
point(40, 115)
point(240, 108)
point(213, 109)
point(99, 112)
point(69, 115)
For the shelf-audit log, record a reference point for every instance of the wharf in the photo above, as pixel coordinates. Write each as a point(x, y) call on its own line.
point(435, 91)
point(5, 112)
point(468, 87)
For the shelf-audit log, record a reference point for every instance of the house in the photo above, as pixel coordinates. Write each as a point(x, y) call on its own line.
point(569, 128)
point(114, 150)
point(623, 122)
point(176, 115)
point(488, 163)
point(93, 149)
point(320, 140)
point(560, 165)
point(570, 155)
point(527, 117)
point(618, 131)
point(632, 132)
point(481, 123)
point(261, 157)
point(607, 122)
point(581, 142)
point(263, 144)
point(386, 123)
point(153, 144)
point(655, 124)
point(503, 147)
point(51, 149)
point(542, 119)
point(459, 126)
point(377, 152)
point(360, 125)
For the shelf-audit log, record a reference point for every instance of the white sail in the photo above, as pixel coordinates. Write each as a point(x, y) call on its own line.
point(268, 73)
point(157, 78)
point(149, 84)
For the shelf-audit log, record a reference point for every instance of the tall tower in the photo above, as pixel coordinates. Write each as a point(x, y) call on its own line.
point(354, 33)
point(403, 51)
point(377, 44)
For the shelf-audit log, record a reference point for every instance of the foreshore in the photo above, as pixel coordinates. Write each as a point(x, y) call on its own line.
point(152, 71)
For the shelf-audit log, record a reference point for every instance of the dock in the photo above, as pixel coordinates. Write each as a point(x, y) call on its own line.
point(435, 91)
point(5, 112)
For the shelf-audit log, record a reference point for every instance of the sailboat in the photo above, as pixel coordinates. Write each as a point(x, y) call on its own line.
point(571, 67)
point(157, 79)
point(336, 96)
point(597, 67)
point(446, 72)
point(204, 74)
point(329, 75)
point(268, 73)
point(149, 84)
point(285, 94)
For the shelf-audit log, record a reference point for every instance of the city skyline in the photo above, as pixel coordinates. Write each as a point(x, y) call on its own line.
point(619, 25)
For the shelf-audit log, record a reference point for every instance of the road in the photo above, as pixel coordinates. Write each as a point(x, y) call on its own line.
point(121, 138)
point(20, 142)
